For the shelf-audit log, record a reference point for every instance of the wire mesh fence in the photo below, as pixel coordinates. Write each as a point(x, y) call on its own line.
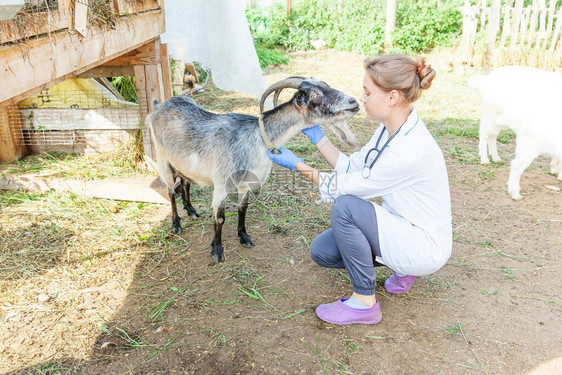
point(76, 118)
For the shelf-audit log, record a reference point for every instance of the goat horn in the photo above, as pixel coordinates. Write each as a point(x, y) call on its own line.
point(288, 83)
point(276, 97)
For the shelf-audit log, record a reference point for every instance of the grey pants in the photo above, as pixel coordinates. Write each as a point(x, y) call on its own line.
point(351, 243)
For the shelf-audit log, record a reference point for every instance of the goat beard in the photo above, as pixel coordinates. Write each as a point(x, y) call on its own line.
point(341, 130)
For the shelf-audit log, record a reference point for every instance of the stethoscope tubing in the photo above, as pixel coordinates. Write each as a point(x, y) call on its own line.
point(367, 169)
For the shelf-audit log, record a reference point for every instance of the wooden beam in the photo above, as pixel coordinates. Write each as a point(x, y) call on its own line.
point(48, 61)
point(132, 7)
point(108, 71)
point(144, 55)
point(166, 71)
point(150, 86)
point(140, 80)
point(11, 138)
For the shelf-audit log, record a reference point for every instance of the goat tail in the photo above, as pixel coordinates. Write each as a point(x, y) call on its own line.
point(156, 104)
point(150, 124)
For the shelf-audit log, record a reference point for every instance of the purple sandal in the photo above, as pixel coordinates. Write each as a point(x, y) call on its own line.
point(399, 284)
point(339, 313)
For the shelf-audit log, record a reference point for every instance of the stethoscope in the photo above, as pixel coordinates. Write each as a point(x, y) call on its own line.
point(366, 171)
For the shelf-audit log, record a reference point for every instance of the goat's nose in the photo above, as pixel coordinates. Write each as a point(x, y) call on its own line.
point(352, 101)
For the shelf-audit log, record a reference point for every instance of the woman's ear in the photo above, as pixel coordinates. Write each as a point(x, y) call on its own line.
point(394, 98)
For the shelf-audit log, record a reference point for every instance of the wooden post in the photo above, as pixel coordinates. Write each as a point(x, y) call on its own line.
point(506, 26)
point(150, 86)
point(11, 138)
point(542, 23)
point(483, 11)
point(288, 7)
point(533, 23)
point(525, 23)
point(492, 32)
point(550, 22)
point(465, 22)
point(166, 75)
point(516, 21)
point(557, 32)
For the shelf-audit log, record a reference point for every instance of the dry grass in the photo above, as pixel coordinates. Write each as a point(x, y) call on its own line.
point(125, 161)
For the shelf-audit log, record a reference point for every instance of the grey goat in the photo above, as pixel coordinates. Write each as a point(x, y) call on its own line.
point(228, 152)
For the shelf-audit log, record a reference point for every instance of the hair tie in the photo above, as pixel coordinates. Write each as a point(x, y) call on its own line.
point(418, 72)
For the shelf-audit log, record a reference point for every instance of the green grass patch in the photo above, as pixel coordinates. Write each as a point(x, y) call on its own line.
point(271, 56)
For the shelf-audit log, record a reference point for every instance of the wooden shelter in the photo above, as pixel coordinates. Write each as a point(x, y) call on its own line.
point(42, 48)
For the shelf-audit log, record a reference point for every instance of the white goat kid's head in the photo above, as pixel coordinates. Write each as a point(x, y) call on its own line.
point(318, 103)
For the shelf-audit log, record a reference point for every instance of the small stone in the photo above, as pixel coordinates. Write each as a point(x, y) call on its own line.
point(43, 298)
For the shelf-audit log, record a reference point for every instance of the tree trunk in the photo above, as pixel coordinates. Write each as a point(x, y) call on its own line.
point(390, 23)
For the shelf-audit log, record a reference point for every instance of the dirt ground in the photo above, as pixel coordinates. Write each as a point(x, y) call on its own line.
point(100, 287)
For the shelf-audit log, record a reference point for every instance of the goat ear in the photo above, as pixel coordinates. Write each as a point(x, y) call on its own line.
point(301, 99)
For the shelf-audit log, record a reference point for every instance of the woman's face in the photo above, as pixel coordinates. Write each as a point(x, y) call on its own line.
point(374, 100)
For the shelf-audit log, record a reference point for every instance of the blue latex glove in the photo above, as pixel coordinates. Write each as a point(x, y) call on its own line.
point(315, 134)
point(285, 159)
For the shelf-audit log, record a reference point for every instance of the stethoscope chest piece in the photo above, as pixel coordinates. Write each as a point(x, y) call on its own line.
point(365, 172)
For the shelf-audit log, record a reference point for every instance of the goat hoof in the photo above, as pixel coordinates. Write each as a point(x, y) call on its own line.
point(176, 225)
point(218, 254)
point(245, 240)
point(191, 212)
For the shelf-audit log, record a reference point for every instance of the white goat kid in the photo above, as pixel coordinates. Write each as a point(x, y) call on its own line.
point(229, 152)
point(527, 101)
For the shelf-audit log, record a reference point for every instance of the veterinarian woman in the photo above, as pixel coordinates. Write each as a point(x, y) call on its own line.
point(411, 232)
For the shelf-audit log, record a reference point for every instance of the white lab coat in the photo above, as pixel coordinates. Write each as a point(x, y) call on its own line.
point(414, 221)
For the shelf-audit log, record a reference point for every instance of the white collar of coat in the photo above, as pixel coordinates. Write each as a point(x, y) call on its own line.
point(411, 122)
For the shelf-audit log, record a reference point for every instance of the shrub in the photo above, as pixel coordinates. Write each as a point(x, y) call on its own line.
point(357, 25)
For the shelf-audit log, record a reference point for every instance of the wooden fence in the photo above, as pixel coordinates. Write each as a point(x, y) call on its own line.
point(535, 27)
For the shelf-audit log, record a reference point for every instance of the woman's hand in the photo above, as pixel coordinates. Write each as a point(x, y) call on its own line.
point(285, 159)
point(315, 133)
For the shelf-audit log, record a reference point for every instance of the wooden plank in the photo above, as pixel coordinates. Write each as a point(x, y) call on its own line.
point(166, 73)
point(154, 86)
point(466, 14)
point(483, 13)
point(491, 35)
point(27, 25)
point(140, 79)
point(81, 16)
point(133, 7)
point(557, 32)
point(542, 23)
point(549, 23)
point(533, 23)
point(525, 23)
point(506, 26)
point(108, 71)
point(108, 85)
point(48, 61)
point(144, 55)
point(140, 189)
point(11, 139)
point(517, 13)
